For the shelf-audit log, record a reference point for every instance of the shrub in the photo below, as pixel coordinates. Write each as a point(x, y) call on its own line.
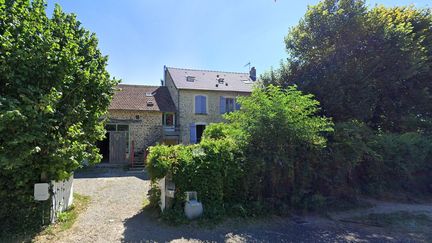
point(265, 156)
point(213, 168)
point(404, 164)
point(348, 147)
point(360, 160)
point(281, 133)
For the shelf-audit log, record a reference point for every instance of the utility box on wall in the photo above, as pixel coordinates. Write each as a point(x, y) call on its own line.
point(41, 191)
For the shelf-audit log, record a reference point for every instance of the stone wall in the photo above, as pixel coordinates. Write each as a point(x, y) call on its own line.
point(187, 112)
point(144, 131)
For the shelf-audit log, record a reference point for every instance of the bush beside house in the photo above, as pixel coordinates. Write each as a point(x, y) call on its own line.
point(276, 154)
point(213, 168)
point(258, 161)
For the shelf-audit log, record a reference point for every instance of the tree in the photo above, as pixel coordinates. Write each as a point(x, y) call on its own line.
point(279, 131)
point(371, 65)
point(54, 91)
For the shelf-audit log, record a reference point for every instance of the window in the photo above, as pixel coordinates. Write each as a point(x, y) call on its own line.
point(168, 119)
point(111, 127)
point(228, 105)
point(117, 127)
point(190, 78)
point(122, 128)
point(200, 104)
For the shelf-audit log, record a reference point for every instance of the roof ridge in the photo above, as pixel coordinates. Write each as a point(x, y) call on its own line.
point(204, 70)
point(141, 85)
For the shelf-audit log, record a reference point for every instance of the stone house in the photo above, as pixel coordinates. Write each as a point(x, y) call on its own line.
point(201, 97)
point(138, 116)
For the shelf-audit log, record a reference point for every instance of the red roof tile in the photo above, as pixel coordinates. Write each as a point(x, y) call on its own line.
point(142, 98)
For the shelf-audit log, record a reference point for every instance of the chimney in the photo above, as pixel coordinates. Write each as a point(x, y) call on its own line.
point(252, 74)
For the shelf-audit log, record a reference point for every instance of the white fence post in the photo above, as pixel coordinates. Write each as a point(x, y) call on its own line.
point(61, 198)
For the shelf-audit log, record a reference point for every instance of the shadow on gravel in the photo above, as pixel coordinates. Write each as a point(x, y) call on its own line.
point(146, 227)
point(101, 172)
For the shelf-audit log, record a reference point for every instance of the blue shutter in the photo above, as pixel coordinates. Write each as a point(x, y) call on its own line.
point(197, 104)
point(237, 105)
point(222, 105)
point(203, 105)
point(193, 137)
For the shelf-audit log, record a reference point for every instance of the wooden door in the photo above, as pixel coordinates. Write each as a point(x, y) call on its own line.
point(118, 146)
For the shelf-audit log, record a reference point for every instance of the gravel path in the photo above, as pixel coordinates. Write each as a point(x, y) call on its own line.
point(381, 207)
point(114, 215)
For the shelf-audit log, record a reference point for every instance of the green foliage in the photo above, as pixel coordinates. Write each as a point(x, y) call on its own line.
point(403, 164)
point(213, 169)
point(154, 195)
point(359, 160)
point(348, 147)
point(159, 161)
point(281, 132)
point(256, 163)
point(372, 65)
point(371, 70)
point(54, 89)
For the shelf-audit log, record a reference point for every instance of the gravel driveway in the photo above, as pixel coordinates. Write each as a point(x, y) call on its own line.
point(114, 215)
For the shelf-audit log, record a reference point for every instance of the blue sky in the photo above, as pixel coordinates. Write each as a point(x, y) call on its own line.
point(141, 36)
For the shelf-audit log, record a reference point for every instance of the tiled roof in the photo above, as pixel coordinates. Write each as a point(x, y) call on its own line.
point(142, 98)
point(210, 80)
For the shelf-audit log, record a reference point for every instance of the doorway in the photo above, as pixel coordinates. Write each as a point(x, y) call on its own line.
point(199, 132)
point(104, 148)
point(115, 146)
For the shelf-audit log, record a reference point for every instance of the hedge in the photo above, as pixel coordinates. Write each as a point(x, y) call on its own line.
point(213, 168)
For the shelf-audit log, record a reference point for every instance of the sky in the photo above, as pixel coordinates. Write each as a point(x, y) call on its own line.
point(141, 36)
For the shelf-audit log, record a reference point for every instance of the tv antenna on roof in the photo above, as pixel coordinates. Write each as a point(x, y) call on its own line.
point(248, 65)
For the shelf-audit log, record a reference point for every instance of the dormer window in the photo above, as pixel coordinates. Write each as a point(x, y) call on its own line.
point(190, 78)
point(150, 103)
point(148, 94)
point(220, 80)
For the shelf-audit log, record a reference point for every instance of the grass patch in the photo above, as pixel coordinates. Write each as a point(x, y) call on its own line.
point(65, 219)
point(146, 202)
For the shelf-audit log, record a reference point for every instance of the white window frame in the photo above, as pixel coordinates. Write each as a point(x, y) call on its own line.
point(168, 128)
